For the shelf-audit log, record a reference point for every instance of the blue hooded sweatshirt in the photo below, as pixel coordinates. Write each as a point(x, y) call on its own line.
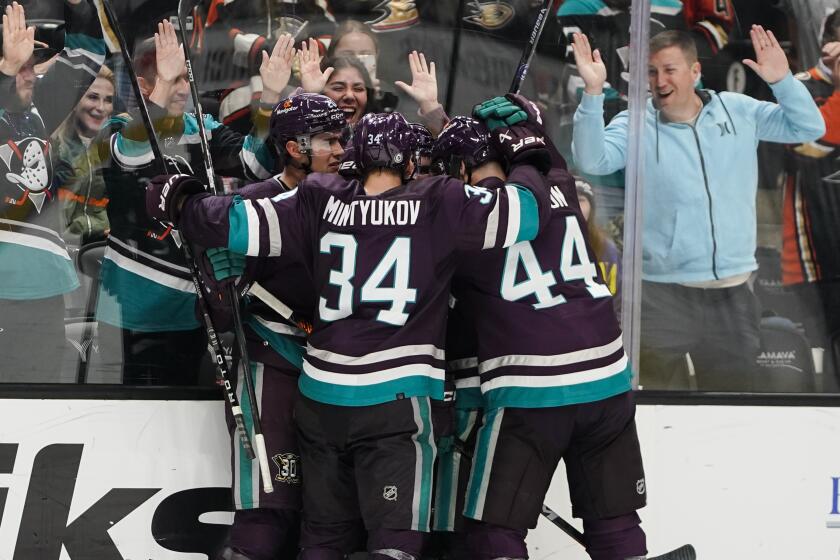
point(700, 183)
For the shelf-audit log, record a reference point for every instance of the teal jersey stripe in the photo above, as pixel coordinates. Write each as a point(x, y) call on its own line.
point(130, 301)
point(446, 485)
point(469, 398)
point(246, 483)
point(30, 273)
point(544, 397)
point(132, 148)
point(238, 226)
point(378, 393)
point(260, 150)
point(79, 41)
point(191, 124)
point(485, 448)
point(286, 346)
point(529, 215)
point(425, 440)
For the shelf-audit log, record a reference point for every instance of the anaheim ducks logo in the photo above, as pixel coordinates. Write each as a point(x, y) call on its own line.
point(29, 168)
point(396, 15)
point(490, 15)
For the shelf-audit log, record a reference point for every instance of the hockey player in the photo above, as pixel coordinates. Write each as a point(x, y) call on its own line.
point(305, 131)
point(35, 267)
point(146, 302)
point(382, 252)
point(554, 378)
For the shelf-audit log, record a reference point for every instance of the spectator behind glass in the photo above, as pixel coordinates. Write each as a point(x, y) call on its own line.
point(701, 176)
point(344, 80)
point(810, 234)
point(35, 268)
point(606, 253)
point(354, 38)
point(80, 189)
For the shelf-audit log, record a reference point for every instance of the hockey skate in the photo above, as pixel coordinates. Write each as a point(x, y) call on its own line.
point(399, 14)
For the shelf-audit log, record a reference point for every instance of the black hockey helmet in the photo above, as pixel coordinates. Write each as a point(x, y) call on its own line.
point(301, 116)
point(466, 140)
point(382, 140)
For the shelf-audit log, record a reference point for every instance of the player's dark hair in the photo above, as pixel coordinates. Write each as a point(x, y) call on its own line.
point(674, 38)
point(347, 27)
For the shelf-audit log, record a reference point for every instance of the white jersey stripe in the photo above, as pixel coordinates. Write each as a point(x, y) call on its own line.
point(416, 350)
point(149, 273)
point(578, 356)
point(117, 241)
point(35, 242)
point(492, 230)
point(275, 241)
point(513, 215)
point(562, 380)
point(367, 379)
point(465, 363)
point(253, 228)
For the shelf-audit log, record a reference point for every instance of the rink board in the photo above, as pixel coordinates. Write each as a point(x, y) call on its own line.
point(147, 480)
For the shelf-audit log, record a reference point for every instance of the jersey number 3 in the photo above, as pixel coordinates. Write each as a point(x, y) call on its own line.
point(575, 264)
point(397, 258)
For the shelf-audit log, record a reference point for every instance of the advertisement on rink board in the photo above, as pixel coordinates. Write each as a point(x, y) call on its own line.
point(136, 480)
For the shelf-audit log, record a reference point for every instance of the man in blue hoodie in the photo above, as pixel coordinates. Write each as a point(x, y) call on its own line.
point(701, 174)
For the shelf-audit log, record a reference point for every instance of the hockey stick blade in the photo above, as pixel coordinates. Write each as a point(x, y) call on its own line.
point(685, 552)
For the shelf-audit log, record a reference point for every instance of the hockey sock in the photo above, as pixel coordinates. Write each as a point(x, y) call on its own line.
point(614, 539)
point(262, 534)
point(486, 541)
point(396, 544)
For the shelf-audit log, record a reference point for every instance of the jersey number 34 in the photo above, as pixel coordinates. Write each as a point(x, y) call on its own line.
point(397, 257)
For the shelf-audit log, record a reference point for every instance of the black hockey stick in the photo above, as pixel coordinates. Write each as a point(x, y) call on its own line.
point(531, 47)
point(239, 331)
point(212, 337)
point(685, 552)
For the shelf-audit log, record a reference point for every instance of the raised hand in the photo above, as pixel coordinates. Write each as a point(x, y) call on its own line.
point(771, 63)
point(311, 77)
point(275, 70)
point(591, 68)
point(423, 88)
point(18, 40)
point(169, 55)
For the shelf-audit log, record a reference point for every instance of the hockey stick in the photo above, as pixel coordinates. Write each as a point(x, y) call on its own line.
point(279, 307)
point(212, 337)
point(530, 48)
point(259, 440)
point(685, 552)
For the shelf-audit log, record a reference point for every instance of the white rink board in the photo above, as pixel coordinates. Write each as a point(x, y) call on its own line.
point(737, 482)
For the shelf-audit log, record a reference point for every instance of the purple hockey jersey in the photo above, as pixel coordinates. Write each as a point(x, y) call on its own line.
point(546, 331)
point(272, 338)
point(381, 268)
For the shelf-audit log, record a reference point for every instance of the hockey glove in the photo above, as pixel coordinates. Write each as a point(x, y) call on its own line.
point(521, 145)
point(166, 193)
point(498, 112)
